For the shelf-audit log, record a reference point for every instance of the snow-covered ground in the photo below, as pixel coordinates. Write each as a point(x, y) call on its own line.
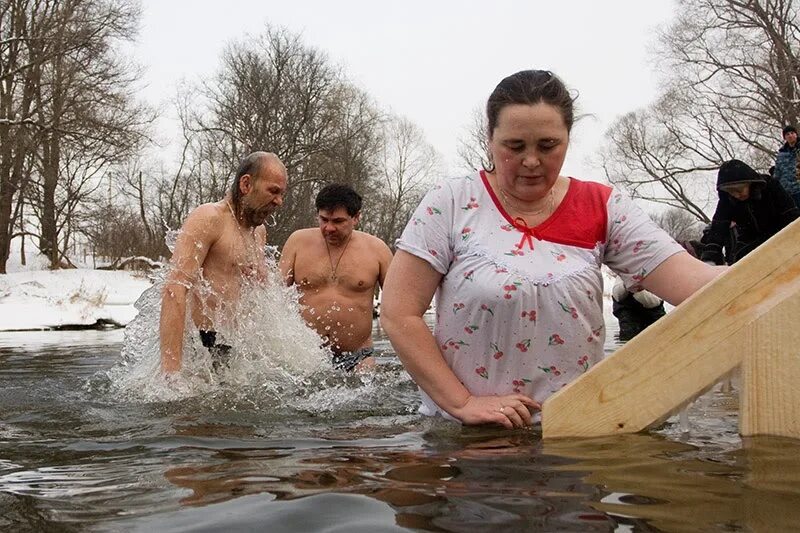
point(46, 299)
point(33, 298)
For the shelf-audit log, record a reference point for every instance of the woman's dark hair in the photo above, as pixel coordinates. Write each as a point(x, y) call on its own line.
point(337, 195)
point(530, 87)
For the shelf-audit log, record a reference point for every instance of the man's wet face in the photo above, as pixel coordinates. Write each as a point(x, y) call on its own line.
point(264, 198)
point(336, 225)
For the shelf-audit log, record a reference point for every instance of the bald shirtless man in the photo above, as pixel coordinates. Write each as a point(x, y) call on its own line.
point(336, 269)
point(220, 246)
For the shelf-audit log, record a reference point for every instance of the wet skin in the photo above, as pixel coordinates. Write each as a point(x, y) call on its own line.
point(216, 252)
point(336, 269)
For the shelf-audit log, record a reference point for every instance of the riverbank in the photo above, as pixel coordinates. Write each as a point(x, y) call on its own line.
point(67, 299)
point(33, 300)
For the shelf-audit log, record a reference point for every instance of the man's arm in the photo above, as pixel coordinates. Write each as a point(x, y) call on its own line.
point(286, 262)
point(195, 239)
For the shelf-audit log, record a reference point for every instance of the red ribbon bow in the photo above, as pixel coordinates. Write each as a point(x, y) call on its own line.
point(528, 233)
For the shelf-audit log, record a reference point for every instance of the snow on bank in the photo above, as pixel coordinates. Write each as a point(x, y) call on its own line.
point(46, 299)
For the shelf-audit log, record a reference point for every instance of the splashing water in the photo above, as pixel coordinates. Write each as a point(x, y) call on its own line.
point(276, 361)
point(274, 354)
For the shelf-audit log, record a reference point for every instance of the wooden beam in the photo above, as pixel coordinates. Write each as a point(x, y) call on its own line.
point(683, 354)
point(770, 395)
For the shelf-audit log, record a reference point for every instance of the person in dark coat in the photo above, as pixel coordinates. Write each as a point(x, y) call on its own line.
point(787, 164)
point(635, 311)
point(757, 205)
point(729, 245)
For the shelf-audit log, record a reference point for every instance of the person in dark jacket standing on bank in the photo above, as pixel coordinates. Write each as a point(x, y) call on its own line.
point(786, 164)
point(756, 203)
point(635, 311)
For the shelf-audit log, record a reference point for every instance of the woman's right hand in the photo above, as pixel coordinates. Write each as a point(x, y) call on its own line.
point(510, 410)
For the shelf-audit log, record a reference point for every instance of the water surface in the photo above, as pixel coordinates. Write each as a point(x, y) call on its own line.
point(351, 455)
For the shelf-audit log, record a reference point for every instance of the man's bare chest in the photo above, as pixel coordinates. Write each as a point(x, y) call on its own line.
point(351, 274)
point(237, 255)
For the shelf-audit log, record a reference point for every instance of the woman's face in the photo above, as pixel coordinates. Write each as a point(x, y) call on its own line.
point(528, 148)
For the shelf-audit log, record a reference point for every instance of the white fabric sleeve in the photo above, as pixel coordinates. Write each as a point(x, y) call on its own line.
point(429, 233)
point(635, 245)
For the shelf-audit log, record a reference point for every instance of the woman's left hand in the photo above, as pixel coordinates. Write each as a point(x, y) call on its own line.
point(510, 410)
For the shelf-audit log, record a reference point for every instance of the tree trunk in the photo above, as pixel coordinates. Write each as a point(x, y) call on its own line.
point(48, 243)
point(6, 195)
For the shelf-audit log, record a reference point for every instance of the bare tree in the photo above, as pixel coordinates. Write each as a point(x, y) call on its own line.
point(473, 145)
point(663, 155)
point(67, 106)
point(408, 166)
point(17, 124)
point(197, 177)
point(739, 59)
point(85, 107)
point(126, 216)
point(679, 223)
point(731, 81)
point(275, 93)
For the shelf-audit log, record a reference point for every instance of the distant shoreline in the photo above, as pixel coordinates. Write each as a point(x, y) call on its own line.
point(72, 299)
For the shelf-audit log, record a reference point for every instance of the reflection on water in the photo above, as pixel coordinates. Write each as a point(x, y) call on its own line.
point(350, 454)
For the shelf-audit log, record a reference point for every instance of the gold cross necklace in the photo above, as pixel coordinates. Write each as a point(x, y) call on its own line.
point(335, 267)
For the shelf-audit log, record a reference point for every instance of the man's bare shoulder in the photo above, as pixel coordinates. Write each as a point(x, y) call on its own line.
point(372, 241)
point(205, 221)
point(211, 212)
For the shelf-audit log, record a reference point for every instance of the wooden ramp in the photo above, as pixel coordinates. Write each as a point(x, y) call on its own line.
point(750, 316)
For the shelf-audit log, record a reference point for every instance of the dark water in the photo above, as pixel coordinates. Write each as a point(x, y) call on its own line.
point(73, 457)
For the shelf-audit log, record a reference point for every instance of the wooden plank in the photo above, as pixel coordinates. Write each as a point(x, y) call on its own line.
point(684, 353)
point(770, 396)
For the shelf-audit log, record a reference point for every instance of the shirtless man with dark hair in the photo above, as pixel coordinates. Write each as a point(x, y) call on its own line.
point(336, 269)
point(220, 245)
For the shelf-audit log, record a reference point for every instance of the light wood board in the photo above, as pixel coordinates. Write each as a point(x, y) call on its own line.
point(681, 355)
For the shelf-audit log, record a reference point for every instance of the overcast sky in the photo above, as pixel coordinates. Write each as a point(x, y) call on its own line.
point(431, 61)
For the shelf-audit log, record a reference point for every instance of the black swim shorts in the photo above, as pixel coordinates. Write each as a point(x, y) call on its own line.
point(220, 353)
point(348, 361)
